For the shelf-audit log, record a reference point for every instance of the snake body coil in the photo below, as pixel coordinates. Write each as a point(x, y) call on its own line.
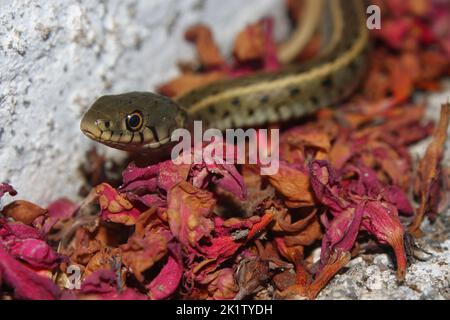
point(139, 121)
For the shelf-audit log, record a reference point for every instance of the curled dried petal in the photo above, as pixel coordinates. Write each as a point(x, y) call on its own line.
point(189, 209)
point(23, 211)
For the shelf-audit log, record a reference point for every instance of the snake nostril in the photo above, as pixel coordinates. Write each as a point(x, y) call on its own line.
point(102, 124)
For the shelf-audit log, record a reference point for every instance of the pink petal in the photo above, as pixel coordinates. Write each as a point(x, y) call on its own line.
point(62, 209)
point(115, 207)
point(37, 253)
point(398, 197)
point(221, 248)
point(168, 279)
point(102, 285)
point(7, 188)
point(189, 211)
point(13, 231)
point(26, 283)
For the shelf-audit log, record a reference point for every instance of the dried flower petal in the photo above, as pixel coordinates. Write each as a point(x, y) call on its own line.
point(102, 285)
point(294, 185)
point(189, 209)
point(115, 207)
point(140, 254)
point(251, 276)
point(208, 51)
point(429, 170)
point(23, 211)
point(27, 284)
point(7, 188)
point(189, 81)
point(381, 220)
point(221, 284)
point(37, 253)
point(168, 279)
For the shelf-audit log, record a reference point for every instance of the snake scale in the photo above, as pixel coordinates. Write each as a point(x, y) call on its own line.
point(144, 121)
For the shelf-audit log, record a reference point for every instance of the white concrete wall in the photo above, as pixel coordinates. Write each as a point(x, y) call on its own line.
point(57, 56)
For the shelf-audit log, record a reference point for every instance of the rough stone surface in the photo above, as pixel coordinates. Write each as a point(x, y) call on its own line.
point(58, 56)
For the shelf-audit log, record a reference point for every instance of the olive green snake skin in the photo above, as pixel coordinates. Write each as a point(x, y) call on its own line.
point(143, 121)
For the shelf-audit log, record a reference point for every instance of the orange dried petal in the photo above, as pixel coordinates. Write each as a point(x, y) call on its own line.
point(189, 81)
point(294, 186)
point(23, 211)
point(207, 49)
point(250, 44)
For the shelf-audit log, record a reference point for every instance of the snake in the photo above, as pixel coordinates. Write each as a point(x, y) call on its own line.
point(144, 121)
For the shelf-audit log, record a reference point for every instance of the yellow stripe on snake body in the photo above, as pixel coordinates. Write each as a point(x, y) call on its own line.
point(294, 91)
point(247, 101)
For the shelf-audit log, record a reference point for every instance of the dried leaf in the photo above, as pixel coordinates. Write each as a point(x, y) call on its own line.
point(23, 211)
point(6, 188)
point(429, 171)
point(189, 81)
point(27, 284)
point(207, 50)
point(115, 207)
point(168, 279)
point(140, 254)
point(294, 185)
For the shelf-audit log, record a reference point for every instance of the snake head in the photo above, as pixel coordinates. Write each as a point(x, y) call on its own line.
point(134, 121)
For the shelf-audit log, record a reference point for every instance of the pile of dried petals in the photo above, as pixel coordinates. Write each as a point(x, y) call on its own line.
point(224, 232)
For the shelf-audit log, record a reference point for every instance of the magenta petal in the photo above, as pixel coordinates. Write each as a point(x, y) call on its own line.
point(101, 281)
point(62, 209)
point(271, 62)
point(7, 188)
point(221, 248)
point(102, 284)
point(146, 185)
point(37, 253)
point(367, 183)
point(342, 232)
point(393, 33)
point(133, 173)
point(325, 187)
point(381, 220)
point(26, 283)
point(164, 175)
point(231, 181)
point(16, 230)
point(215, 170)
point(398, 198)
point(149, 200)
point(171, 174)
point(167, 281)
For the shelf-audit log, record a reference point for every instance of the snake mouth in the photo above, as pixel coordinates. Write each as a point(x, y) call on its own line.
point(130, 146)
point(126, 145)
point(133, 147)
point(89, 134)
point(157, 144)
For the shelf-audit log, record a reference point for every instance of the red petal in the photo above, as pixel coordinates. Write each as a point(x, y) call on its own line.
point(26, 283)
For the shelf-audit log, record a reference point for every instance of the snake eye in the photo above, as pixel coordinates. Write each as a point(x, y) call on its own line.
point(134, 121)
